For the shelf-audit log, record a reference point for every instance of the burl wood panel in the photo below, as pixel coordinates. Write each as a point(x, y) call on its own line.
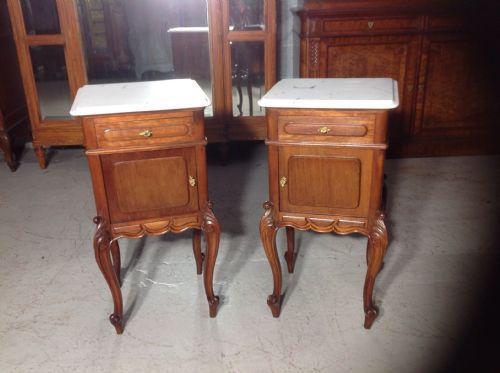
point(441, 54)
point(453, 99)
point(325, 180)
point(146, 185)
point(392, 56)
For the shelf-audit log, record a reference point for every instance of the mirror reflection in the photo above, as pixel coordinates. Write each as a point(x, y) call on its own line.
point(130, 40)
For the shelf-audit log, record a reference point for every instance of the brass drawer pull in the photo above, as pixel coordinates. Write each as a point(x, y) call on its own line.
point(324, 130)
point(371, 24)
point(283, 181)
point(192, 181)
point(146, 133)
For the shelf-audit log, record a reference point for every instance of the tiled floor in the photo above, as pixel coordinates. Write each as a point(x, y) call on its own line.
point(54, 304)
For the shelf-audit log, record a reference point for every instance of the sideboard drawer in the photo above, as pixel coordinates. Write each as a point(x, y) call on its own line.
point(145, 132)
point(335, 129)
point(345, 26)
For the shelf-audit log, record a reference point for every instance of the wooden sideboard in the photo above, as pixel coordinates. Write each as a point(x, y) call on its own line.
point(14, 121)
point(438, 56)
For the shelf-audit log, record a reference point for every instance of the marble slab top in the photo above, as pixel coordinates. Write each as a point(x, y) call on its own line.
point(117, 98)
point(333, 93)
point(187, 30)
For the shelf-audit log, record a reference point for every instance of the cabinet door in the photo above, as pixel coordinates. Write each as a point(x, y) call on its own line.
point(321, 180)
point(393, 56)
point(150, 184)
point(455, 97)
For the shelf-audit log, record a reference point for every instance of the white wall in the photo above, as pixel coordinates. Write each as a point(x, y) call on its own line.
point(288, 39)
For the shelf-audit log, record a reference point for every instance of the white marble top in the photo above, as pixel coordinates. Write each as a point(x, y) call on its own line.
point(333, 93)
point(188, 30)
point(116, 98)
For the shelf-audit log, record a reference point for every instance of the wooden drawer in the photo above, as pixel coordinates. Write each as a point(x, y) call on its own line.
point(346, 128)
point(146, 131)
point(441, 23)
point(362, 25)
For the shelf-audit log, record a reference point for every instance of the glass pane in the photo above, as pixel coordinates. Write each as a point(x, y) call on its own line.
point(246, 15)
point(40, 17)
point(51, 77)
point(126, 41)
point(247, 59)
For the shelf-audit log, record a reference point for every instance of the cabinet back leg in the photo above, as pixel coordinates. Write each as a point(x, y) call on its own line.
point(198, 255)
point(290, 253)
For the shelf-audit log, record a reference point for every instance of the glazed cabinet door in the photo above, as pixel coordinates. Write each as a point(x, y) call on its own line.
point(456, 95)
point(150, 184)
point(325, 180)
point(388, 56)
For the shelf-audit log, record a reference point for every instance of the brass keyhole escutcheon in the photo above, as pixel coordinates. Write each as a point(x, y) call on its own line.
point(283, 181)
point(324, 130)
point(146, 133)
point(192, 181)
point(371, 24)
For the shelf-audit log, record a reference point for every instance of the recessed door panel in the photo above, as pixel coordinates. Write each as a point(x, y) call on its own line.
point(153, 184)
point(325, 180)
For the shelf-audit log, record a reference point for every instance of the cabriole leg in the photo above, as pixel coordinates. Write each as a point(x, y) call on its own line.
point(268, 232)
point(211, 228)
point(376, 249)
point(102, 249)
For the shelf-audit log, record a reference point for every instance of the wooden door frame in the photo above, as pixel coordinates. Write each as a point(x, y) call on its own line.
point(247, 127)
point(50, 132)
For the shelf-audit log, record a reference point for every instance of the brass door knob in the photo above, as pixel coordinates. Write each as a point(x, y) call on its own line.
point(283, 181)
point(324, 130)
point(192, 181)
point(146, 133)
point(371, 24)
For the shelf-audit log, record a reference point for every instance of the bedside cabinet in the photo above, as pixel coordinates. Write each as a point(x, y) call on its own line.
point(145, 145)
point(326, 143)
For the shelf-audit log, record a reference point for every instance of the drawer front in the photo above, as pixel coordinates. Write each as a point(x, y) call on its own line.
point(146, 132)
point(366, 25)
point(150, 184)
point(322, 180)
point(439, 23)
point(334, 129)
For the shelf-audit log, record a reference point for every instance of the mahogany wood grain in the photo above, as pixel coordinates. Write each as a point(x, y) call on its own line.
point(327, 186)
point(150, 189)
